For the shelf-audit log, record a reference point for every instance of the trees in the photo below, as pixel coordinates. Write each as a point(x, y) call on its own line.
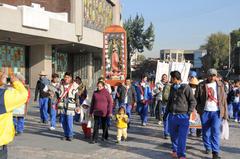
point(235, 48)
point(217, 47)
point(137, 38)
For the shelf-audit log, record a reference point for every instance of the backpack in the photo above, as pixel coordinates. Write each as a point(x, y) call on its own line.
point(166, 92)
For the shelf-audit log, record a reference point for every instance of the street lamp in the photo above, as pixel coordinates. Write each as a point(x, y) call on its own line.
point(229, 52)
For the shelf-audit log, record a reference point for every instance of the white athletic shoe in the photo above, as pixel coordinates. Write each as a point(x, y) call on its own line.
point(160, 123)
point(236, 120)
point(52, 128)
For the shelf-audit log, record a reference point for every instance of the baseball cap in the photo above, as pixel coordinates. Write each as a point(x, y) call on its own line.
point(211, 72)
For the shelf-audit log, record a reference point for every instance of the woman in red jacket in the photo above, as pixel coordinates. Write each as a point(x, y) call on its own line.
point(101, 108)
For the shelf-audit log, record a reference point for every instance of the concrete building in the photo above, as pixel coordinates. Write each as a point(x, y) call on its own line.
point(55, 36)
point(192, 56)
point(171, 55)
point(198, 54)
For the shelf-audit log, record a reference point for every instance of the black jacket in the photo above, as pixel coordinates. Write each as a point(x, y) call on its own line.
point(39, 90)
point(121, 92)
point(181, 101)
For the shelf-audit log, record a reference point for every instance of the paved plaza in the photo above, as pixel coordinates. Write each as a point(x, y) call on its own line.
point(38, 142)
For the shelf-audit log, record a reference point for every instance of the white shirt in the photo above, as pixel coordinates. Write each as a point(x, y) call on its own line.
point(126, 95)
point(236, 98)
point(211, 104)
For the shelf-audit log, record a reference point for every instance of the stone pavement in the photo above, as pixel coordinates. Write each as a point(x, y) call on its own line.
point(38, 142)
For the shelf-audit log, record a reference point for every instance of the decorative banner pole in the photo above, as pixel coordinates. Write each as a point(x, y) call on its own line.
point(114, 55)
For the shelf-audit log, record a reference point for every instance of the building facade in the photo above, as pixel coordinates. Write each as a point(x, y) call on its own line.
point(192, 56)
point(55, 36)
point(198, 54)
point(173, 55)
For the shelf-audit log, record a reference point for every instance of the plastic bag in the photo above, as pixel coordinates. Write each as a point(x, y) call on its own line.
point(195, 121)
point(89, 124)
point(225, 130)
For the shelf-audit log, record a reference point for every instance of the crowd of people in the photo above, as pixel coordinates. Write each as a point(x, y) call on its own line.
point(173, 104)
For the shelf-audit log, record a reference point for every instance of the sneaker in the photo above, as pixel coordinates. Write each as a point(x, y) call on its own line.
point(69, 138)
point(118, 142)
point(93, 142)
point(215, 156)
point(235, 120)
point(174, 154)
point(45, 122)
point(207, 152)
point(160, 123)
point(144, 124)
point(18, 134)
point(165, 136)
point(64, 138)
point(52, 128)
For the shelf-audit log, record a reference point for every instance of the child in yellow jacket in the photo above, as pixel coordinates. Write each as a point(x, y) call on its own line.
point(122, 124)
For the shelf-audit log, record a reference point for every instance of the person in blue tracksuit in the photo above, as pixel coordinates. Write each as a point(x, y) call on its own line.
point(138, 94)
point(212, 107)
point(234, 101)
point(181, 103)
point(145, 94)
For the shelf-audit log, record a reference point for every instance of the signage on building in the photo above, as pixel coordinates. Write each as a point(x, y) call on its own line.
point(114, 54)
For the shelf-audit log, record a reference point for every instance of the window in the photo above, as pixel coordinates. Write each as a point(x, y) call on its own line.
point(161, 56)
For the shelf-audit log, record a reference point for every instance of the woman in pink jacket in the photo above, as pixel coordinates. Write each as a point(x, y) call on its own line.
point(101, 108)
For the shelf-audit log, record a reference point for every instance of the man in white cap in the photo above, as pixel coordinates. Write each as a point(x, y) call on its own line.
point(212, 107)
point(42, 90)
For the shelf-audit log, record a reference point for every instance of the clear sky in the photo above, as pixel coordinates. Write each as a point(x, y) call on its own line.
point(184, 24)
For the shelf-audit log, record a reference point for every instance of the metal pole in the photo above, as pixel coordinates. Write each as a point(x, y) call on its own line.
point(229, 52)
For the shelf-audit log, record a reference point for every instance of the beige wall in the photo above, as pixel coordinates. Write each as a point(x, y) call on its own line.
point(64, 32)
point(39, 60)
point(59, 32)
point(11, 20)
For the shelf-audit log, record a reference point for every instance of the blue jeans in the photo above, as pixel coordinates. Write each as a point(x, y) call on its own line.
point(67, 124)
point(179, 125)
point(43, 104)
point(165, 123)
point(144, 113)
point(139, 107)
point(53, 117)
point(211, 123)
point(236, 111)
point(230, 111)
point(19, 124)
